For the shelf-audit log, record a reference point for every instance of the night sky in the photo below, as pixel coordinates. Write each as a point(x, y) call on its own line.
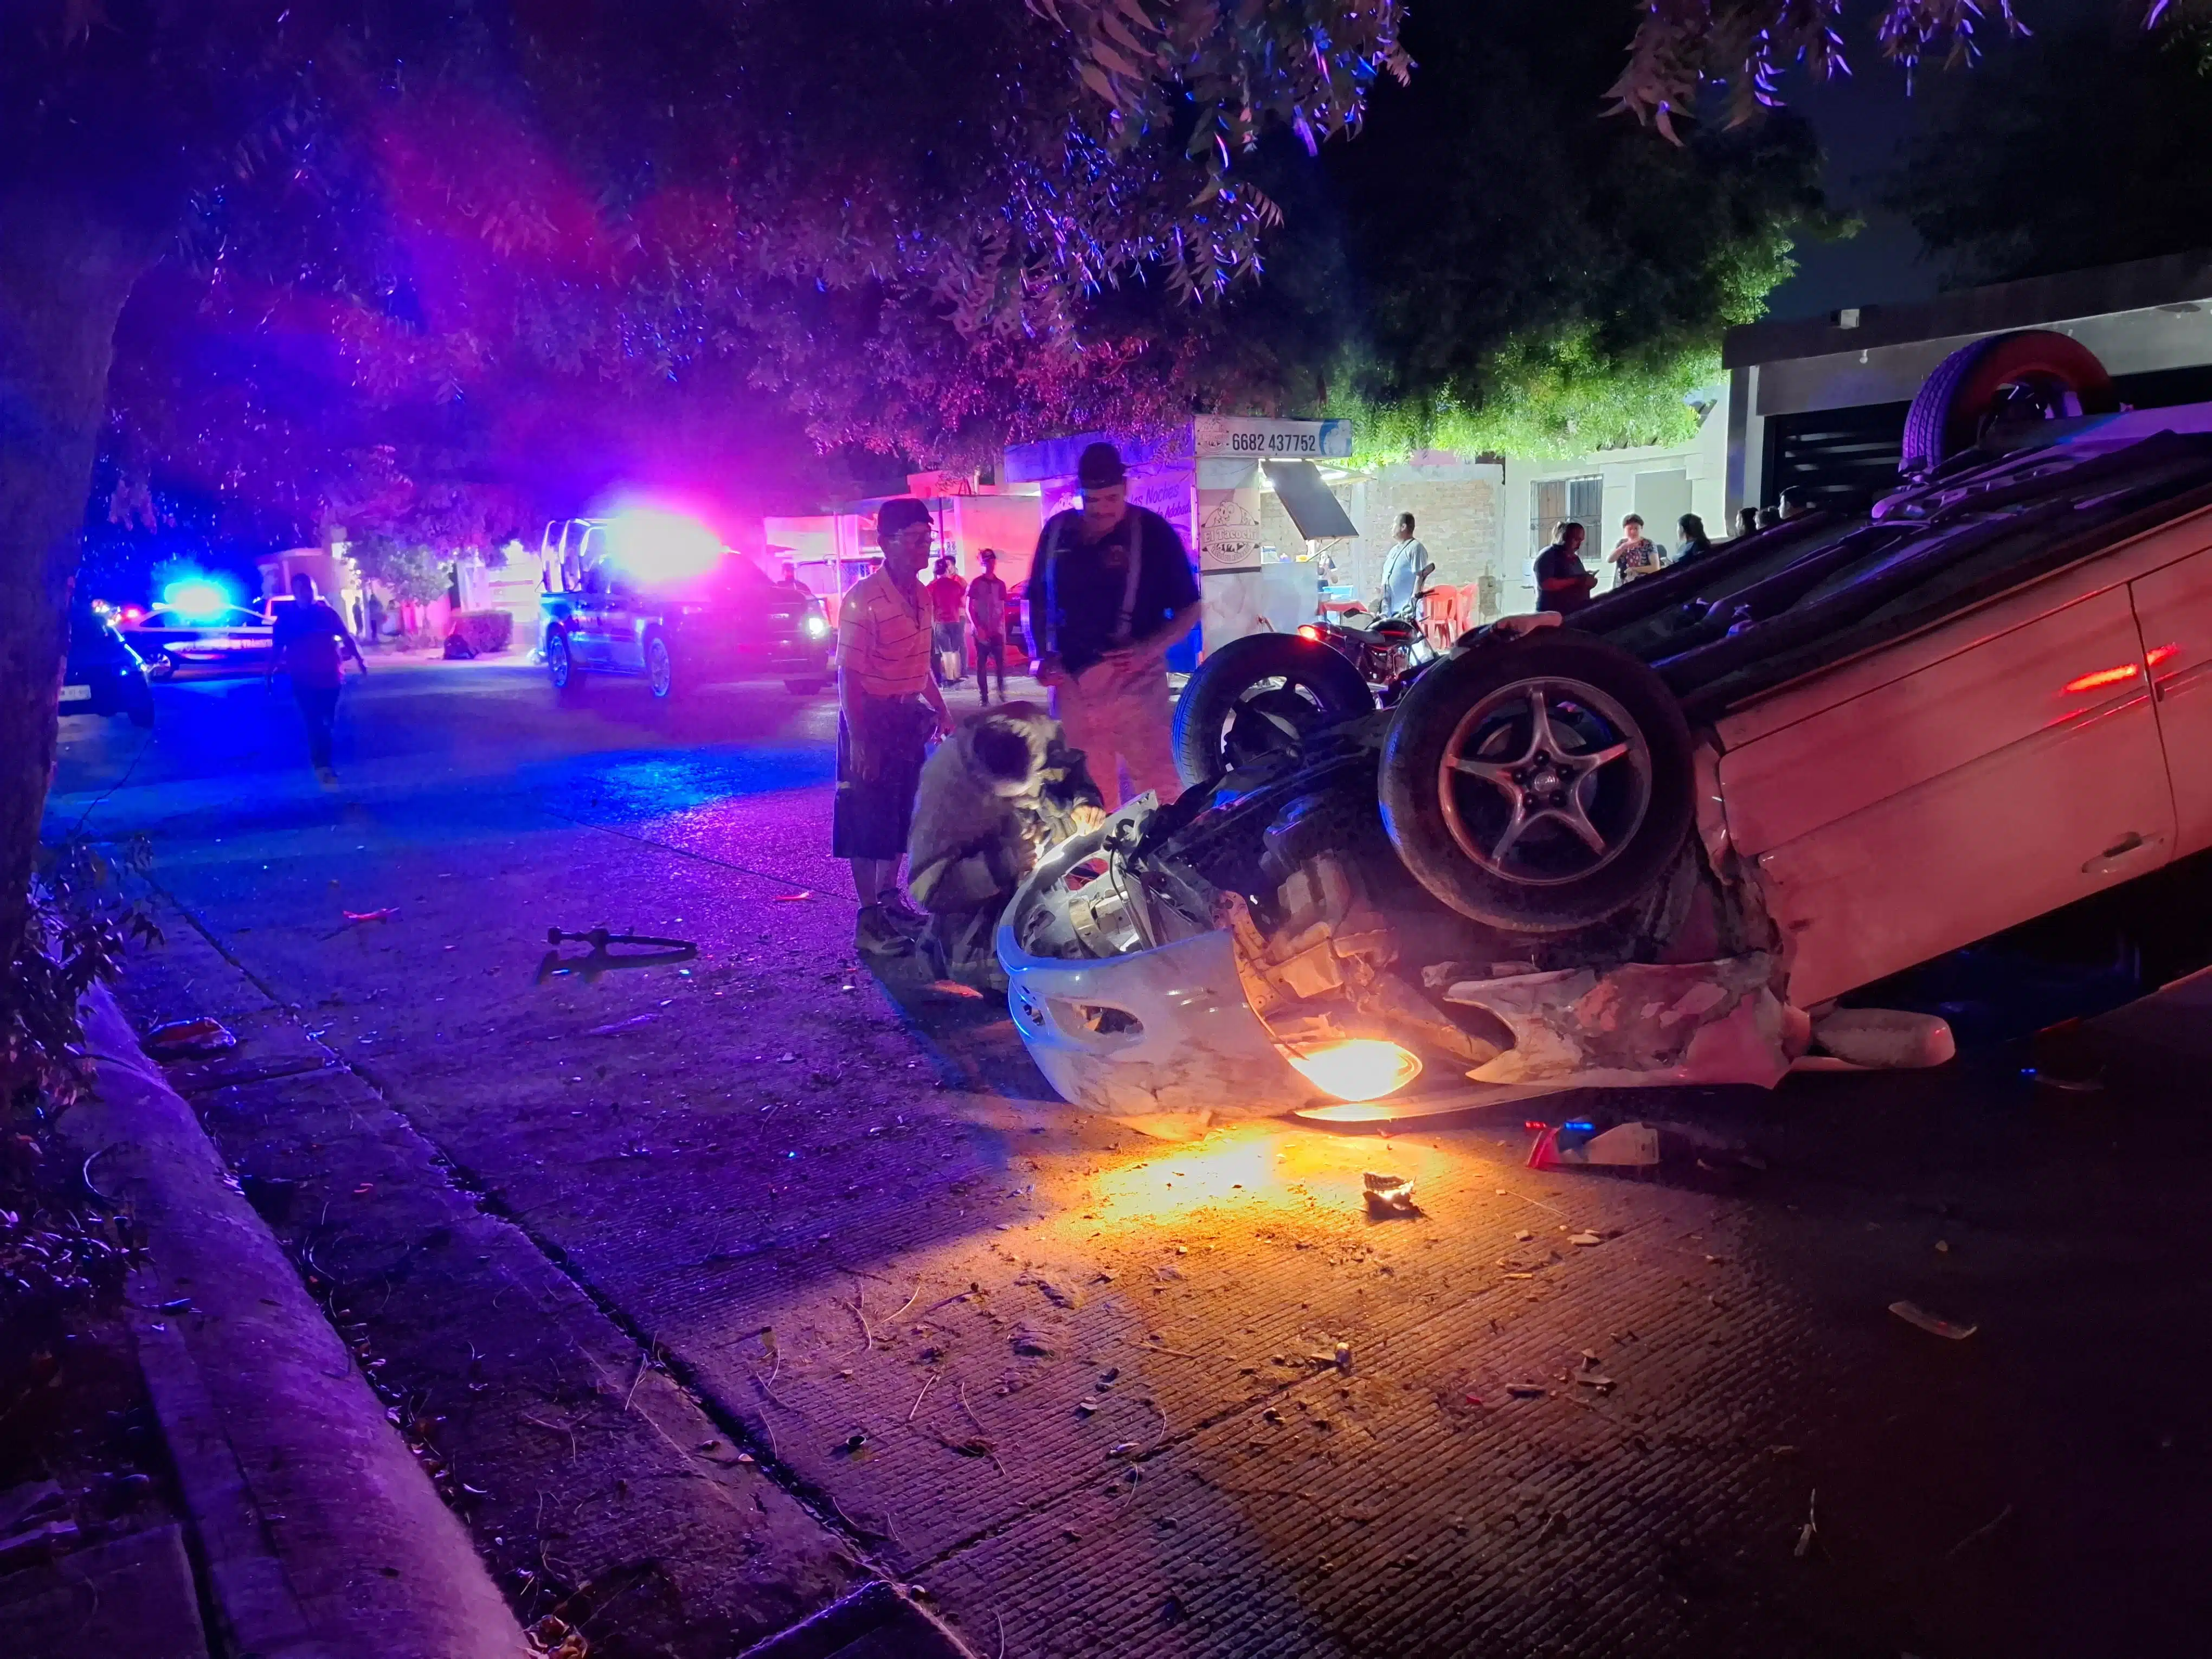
point(1861, 121)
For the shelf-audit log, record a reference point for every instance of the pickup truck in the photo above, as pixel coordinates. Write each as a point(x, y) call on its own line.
point(602, 614)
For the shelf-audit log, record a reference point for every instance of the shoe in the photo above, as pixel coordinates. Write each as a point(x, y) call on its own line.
point(892, 905)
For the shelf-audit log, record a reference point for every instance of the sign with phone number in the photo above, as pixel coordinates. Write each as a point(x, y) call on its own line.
point(1215, 436)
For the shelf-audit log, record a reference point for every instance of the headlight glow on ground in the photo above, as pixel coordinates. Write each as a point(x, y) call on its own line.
point(1358, 1068)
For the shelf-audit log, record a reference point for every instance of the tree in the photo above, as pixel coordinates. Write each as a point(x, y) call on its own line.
point(2081, 148)
point(1535, 280)
point(993, 166)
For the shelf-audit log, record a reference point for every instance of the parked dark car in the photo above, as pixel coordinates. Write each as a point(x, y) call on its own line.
point(104, 675)
point(731, 623)
point(235, 640)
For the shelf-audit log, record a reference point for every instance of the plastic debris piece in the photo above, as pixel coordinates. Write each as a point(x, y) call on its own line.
point(384, 914)
point(790, 898)
point(191, 1039)
point(1913, 1314)
point(1886, 1038)
point(951, 988)
point(1584, 1239)
point(1527, 1390)
point(1389, 1195)
point(1342, 1357)
point(1624, 1145)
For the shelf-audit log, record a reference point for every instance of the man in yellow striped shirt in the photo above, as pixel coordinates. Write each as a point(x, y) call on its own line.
point(888, 709)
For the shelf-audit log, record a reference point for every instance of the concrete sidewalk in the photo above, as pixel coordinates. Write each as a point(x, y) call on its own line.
point(590, 1477)
point(319, 1533)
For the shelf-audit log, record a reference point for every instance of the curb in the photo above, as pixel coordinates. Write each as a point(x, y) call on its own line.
point(319, 1534)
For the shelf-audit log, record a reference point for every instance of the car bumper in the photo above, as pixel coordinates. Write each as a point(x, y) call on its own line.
point(1197, 1046)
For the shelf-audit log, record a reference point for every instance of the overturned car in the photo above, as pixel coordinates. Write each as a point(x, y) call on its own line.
point(1658, 843)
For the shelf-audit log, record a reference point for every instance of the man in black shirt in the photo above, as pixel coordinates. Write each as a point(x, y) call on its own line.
point(1110, 593)
point(1562, 584)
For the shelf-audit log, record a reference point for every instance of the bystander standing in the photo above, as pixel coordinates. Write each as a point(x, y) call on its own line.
point(1110, 592)
point(310, 643)
point(887, 708)
point(987, 615)
point(948, 629)
point(1406, 568)
point(1562, 584)
point(1635, 554)
point(1694, 540)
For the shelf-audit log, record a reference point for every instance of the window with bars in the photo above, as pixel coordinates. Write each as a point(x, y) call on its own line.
point(1551, 500)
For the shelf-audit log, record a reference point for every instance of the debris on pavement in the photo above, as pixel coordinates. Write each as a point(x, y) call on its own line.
point(630, 1024)
point(1585, 1240)
point(1580, 1141)
point(203, 1038)
point(1913, 1314)
point(790, 898)
point(1389, 1195)
point(1979, 1532)
point(1809, 1534)
point(384, 914)
point(654, 952)
point(1885, 1039)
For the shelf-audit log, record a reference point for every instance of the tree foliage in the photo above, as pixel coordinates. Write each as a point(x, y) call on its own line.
point(2081, 148)
point(1492, 266)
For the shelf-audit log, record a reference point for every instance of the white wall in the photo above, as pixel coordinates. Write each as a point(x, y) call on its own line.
point(1703, 459)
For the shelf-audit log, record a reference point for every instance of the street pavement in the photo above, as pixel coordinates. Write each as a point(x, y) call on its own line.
point(719, 1285)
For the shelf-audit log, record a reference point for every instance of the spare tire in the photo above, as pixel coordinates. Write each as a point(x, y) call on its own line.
point(1539, 784)
point(2030, 370)
point(1262, 694)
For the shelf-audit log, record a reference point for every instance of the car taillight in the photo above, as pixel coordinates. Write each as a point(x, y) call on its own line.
point(1308, 631)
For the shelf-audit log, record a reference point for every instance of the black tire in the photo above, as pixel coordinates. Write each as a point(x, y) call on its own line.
point(1456, 832)
point(560, 664)
point(142, 713)
point(803, 688)
point(1955, 404)
point(661, 675)
point(1320, 688)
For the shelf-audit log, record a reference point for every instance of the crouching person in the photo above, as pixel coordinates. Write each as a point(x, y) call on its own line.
point(994, 798)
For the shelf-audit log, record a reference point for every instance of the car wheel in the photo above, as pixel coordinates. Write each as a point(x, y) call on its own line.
point(802, 687)
point(561, 663)
point(1264, 694)
point(2031, 373)
point(141, 713)
point(1538, 785)
point(659, 668)
point(161, 667)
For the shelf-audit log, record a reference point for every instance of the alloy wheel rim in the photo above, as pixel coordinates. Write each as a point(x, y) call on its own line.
point(559, 652)
point(1545, 781)
point(656, 666)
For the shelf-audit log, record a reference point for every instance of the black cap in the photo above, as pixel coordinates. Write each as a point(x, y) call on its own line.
point(895, 514)
point(1100, 465)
